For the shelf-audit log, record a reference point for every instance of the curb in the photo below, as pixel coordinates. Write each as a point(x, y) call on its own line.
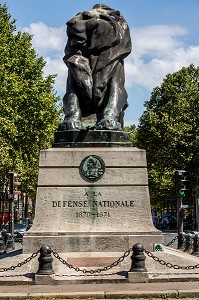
point(103, 295)
point(142, 294)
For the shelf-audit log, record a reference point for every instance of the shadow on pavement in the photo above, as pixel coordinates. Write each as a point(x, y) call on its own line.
point(11, 254)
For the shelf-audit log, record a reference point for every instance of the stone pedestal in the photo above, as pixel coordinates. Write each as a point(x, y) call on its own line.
point(78, 214)
point(134, 277)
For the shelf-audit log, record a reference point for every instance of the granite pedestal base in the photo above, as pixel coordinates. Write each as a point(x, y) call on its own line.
point(110, 214)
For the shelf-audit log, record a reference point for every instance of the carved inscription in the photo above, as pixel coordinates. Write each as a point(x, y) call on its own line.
point(108, 204)
point(88, 214)
point(92, 205)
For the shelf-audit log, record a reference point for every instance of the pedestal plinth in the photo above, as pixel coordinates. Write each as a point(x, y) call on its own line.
point(103, 208)
point(91, 138)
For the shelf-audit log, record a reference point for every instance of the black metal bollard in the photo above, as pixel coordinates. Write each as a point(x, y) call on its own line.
point(188, 242)
point(9, 242)
point(181, 240)
point(138, 259)
point(195, 244)
point(2, 245)
point(45, 261)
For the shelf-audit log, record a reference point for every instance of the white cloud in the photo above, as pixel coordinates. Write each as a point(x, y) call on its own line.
point(50, 42)
point(46, 38)
point(157, 51)
point(156, 40)
point(57, 66)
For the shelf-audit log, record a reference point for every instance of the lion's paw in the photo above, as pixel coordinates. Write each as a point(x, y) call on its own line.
point(108, 124)
point(70, 125)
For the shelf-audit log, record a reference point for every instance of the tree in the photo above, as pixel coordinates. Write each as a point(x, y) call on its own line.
point(28, 113)
point(169, 131)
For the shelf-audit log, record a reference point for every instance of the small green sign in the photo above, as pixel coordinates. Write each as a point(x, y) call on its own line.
point(158, 247)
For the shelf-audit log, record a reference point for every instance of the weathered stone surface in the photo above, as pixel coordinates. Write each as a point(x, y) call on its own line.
point(89, 242)
point(138, 277)
point(110, 214)
point(114, 157)
point(112, 176)
point(84, 209)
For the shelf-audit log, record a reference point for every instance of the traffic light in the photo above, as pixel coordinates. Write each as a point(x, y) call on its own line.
point(181, 182)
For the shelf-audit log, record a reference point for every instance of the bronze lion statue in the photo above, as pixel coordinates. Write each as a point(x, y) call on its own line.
point(98, 42)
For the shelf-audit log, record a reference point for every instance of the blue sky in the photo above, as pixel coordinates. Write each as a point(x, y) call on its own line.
point(164, 35)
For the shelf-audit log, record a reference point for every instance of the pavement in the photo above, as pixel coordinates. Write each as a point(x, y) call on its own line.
point(21, 281)
point(166, 290)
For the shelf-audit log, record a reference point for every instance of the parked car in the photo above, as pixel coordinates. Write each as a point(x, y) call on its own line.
point(20, 228)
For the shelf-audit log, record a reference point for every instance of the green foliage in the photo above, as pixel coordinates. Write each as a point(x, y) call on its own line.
point(132, 129)
point(28, 113)
point(169, 131)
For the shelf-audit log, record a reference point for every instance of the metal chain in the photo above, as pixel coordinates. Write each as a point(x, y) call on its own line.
point(172, 241)
point(77, 269)
point(21, 263)
point(20, 241)
point(170, 265)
